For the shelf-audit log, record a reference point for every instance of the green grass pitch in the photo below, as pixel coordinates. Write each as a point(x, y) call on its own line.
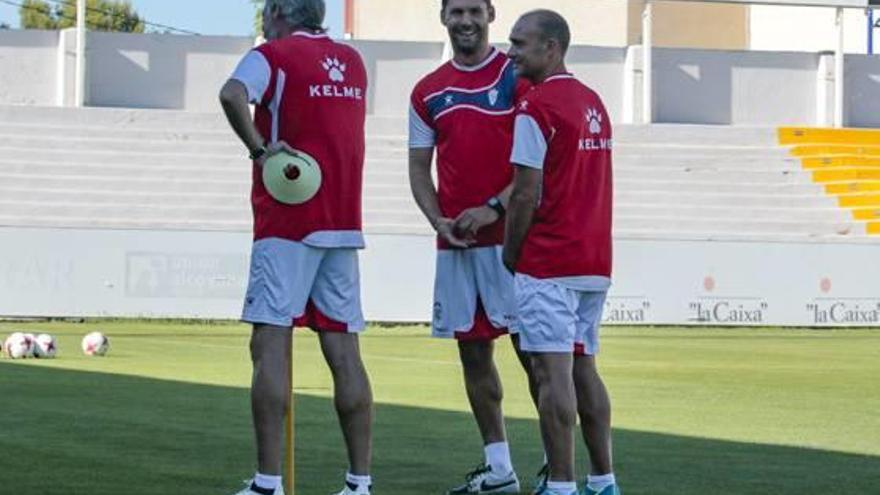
point(696, 411)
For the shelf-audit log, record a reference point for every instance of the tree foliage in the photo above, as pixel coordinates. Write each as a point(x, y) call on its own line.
point(101, 15)
point(258, 16)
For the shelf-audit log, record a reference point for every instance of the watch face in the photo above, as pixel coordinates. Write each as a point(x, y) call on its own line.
point(496, 205)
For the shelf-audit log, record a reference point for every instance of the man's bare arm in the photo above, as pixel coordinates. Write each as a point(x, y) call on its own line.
point(520, 212)
point(425, 193)
point(474, 219)
point(422, 184)
point(234, 99)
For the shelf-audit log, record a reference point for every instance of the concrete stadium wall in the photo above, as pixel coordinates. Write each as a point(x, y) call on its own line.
point(693, 25)
point(28, 67)
point(862, 91)
point(393, 69)
point(593, 22)
point(161, 71)
point(602, 69)
point(104, 273)
point(805, 29)
point(598, 22)
point(722, 87)
point(691, 86)
point(153, 274)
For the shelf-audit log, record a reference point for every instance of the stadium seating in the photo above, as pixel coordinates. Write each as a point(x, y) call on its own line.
point(156, 169)
point(847, 163)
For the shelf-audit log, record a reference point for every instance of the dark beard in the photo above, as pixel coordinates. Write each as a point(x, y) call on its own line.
point(466, 49)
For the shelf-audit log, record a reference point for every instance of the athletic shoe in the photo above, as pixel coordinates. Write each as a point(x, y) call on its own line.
point(541, 480)
point(352, 489)
point(609, 490)
point(482, 480)
point(547, 491)
point(253, 489)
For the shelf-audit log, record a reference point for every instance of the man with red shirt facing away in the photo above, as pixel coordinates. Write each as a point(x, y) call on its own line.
point(465, 110)
point(309, 93)
point(558, 244)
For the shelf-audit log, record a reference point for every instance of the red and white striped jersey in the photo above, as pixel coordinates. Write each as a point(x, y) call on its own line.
point(467, 113)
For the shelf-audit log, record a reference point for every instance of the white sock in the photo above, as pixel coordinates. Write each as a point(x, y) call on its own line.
point(599, 483)
point(498, 457)
point(266, 481)
point(565, 487)
point(360, 481)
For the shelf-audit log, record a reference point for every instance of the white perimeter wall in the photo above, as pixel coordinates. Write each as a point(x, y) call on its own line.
point(808, 29)
point(28, 67)
point(691, 86)
point(863, 90)
point(726, 87)
point(180, 274)
point(161, 71)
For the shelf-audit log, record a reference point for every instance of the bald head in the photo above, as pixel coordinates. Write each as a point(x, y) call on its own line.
point(552, 26)
point(538, 43)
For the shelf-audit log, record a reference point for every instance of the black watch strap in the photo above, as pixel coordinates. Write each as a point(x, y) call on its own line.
point(258, 153)
point(496, 205)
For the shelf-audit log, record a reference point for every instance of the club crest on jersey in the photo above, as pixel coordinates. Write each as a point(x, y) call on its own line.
point(335, 69)
point(493, 97)
point(336, 73)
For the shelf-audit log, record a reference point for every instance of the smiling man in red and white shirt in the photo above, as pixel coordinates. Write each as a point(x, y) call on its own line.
point(464, 110)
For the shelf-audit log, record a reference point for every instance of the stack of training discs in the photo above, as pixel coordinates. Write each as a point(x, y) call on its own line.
point(292, 179)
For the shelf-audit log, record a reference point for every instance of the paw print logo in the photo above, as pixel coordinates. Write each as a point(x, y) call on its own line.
point(594, 118)
point(335, 69)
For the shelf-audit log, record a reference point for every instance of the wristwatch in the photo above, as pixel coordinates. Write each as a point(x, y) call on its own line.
point(258, 153)
point(496, 205)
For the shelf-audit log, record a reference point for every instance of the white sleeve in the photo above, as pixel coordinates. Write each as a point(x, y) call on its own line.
point(254, 72)
point(420, 134)
point(529, 145)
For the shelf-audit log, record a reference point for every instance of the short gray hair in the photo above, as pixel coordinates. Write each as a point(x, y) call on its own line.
point(552, 26)
point(301, 13)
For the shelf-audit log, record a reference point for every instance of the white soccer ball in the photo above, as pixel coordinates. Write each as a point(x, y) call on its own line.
point(33, 340)
point(44, 346)
point(18, 346)
point(95, 344)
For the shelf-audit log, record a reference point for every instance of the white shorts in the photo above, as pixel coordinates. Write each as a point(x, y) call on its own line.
point(463, 276)
point(553, 318)
point(292, 283)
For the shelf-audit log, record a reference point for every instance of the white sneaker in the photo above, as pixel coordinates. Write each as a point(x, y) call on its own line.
point(352, 489)
point(483, 480)
point(253, 489)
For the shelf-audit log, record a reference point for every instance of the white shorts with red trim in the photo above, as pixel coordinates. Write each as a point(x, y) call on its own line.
point(553, 318)
point(295, 284)
point(469, 281)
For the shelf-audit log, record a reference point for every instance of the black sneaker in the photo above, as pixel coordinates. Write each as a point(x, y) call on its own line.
point(483, 480)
